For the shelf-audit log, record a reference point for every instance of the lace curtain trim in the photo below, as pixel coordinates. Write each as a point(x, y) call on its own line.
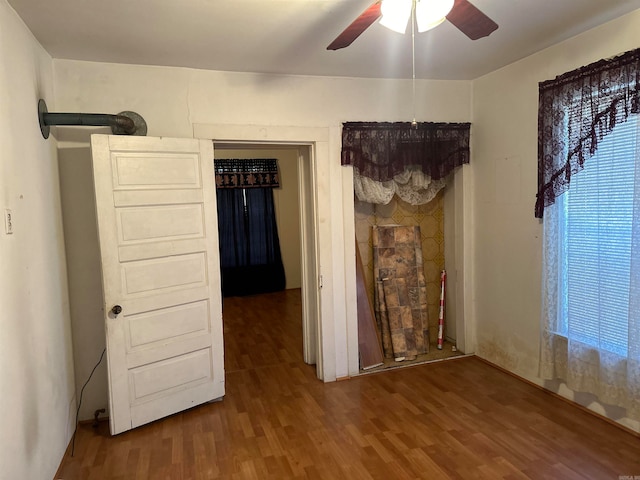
point(246, 173)
point(414, 187)
point(577, 110)
point(613, 379)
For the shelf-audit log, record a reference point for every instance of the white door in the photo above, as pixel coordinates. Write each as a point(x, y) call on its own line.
point(157, 225)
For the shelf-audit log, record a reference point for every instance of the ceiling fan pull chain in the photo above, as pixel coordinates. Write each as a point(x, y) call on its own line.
point(414, 124)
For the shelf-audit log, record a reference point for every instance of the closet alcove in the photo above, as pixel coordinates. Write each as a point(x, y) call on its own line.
point(411, 176)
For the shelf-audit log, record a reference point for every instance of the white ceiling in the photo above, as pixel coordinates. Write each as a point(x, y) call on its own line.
point(291, 36)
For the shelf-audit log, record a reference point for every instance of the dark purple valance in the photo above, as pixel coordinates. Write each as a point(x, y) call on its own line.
point(382, 150)
point(246, 173)
point(575, 111)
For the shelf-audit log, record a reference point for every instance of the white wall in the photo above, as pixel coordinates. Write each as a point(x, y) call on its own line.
point(83, 266)
point(508, 239)
point(36, 368)
point(172, 100)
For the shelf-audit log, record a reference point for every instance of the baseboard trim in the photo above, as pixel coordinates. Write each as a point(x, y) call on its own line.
point(560, 397)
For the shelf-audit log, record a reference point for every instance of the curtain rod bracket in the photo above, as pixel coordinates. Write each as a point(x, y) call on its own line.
point(124, 123)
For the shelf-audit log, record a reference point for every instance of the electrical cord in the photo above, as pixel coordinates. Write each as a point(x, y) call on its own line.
point(73, 442)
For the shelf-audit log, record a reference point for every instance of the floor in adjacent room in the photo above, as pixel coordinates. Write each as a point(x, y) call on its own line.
point(457, 419)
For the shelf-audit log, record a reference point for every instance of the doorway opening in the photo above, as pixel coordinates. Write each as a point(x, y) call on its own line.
point(295, 215)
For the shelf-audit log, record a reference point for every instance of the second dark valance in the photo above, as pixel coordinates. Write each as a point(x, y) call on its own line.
point(246, 173)
point(382, 150)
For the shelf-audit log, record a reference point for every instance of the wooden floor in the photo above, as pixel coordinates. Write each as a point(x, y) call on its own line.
point(455, 419)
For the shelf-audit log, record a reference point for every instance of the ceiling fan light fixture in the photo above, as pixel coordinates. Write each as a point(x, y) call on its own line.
point(431, 13)
point(395, 14)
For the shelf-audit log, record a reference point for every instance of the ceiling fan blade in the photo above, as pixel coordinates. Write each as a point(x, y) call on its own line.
point(471, 21)
point(356, 28)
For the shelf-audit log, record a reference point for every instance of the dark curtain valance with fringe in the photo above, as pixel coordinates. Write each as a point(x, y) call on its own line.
point(382, 150)
point(249, 173)
point(577, 110)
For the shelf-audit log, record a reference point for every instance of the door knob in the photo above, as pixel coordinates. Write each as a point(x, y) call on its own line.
point(116, 310)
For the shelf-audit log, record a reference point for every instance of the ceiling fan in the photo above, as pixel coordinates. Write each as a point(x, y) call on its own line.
point(461, 13)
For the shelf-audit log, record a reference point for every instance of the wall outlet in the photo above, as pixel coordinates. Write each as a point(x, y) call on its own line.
point(8, 221)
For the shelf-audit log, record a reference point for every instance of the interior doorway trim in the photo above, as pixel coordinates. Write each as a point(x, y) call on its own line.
point(315, 233)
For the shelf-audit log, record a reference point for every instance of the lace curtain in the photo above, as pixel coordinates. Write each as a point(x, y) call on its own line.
point(575, 111)
point(399, 159)
point(614, 378)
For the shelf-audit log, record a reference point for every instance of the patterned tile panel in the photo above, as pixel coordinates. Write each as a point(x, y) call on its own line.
point(430, 219)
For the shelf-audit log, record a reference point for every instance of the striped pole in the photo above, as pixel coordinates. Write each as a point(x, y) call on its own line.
point(443, 278)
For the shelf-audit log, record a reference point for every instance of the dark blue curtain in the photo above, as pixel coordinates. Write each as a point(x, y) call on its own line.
point(250, 256)
point(232, 228)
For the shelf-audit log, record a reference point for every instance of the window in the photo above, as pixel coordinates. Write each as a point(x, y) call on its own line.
point(591, 275)
point(589, 197)
point(595, 223)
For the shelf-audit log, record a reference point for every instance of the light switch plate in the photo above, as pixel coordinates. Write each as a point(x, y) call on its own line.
point(8, 221)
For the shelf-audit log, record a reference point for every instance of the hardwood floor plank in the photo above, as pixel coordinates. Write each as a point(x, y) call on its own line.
point(455, 419)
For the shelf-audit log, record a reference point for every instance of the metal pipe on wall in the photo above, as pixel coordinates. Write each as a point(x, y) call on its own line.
point(124, 123)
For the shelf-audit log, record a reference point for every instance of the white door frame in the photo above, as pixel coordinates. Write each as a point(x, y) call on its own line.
point(309, 255)
point(459, 256)
point(319, 342)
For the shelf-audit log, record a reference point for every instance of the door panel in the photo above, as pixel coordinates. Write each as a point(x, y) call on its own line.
point(158, 378)
point(159, 274)
point(160, 222)
point(170, 170)
point(157, 226)
point(163, 324)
